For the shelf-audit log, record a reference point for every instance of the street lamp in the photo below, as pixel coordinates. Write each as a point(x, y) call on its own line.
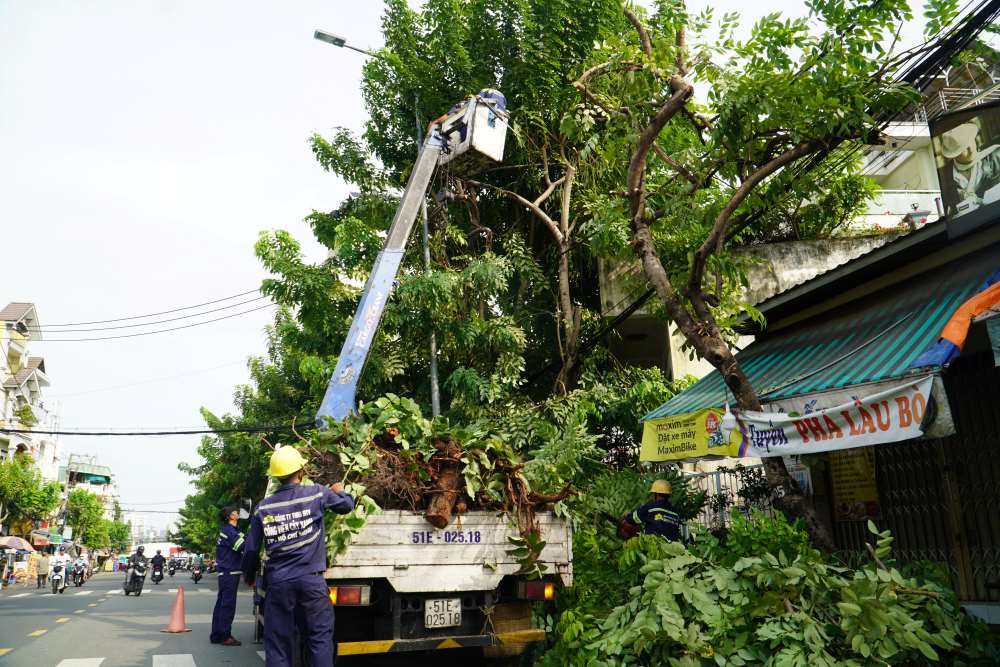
point(341, 42)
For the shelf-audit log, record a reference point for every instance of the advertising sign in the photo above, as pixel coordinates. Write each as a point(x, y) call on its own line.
point(689, 436)
point(855, 492)
point(967, 156)
point(892, 415)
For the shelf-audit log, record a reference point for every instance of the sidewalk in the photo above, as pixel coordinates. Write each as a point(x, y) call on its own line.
point(29, 587)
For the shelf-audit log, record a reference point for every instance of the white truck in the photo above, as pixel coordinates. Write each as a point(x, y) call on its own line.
point(405, 586)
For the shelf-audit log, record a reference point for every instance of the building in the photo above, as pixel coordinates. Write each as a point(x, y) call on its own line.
point(83, 472)
point(23, 379)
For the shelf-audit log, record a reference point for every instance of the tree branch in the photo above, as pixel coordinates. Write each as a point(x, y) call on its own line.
point(532, 206)
point(644, 41)
point(715, 238)
point(677, 166)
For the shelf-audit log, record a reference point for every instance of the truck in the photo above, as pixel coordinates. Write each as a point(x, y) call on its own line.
point(403, 585)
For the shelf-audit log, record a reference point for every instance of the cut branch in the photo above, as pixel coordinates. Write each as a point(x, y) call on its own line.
point(533, 207)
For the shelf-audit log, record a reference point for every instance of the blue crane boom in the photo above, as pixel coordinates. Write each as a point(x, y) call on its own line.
point(472, 133)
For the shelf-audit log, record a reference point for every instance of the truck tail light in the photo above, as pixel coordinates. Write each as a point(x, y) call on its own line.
point(536, 590)
point(350, 595)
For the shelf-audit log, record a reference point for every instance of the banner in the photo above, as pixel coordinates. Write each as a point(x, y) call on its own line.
point(891, 415)
point(689, 436)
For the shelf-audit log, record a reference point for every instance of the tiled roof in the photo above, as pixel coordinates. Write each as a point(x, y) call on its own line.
point(34, 363)
point(14, 311)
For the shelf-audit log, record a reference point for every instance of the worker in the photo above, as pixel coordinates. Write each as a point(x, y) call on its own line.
point(229, 555)
point(289, 525)
point(657, 517)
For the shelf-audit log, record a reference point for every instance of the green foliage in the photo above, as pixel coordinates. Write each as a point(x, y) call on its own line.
point(24, 496)
point(770, 601)
point(85, 513)
point(25, 415)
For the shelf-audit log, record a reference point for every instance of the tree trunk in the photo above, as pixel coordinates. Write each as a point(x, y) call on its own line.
point(439, 509)
point(569, 324)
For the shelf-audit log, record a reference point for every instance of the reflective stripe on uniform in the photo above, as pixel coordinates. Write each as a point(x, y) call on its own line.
point(293, 501)
point(635, 517)
point(300, 543)
point(238, 543)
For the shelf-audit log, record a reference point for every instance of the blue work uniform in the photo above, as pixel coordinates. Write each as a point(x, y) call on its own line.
point(228, 559)
point(657, 517)
point(289, 525)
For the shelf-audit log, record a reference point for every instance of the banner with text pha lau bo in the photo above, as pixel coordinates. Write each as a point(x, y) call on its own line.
point(688, 436)
point(891, 415)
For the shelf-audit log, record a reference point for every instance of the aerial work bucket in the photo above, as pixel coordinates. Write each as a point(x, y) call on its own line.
point(475, 132)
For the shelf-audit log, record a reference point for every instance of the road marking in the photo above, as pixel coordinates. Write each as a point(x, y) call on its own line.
point(172, 590)
point(62, 620)
point(82, 593)
point(19, 595)
point(79, 611)
point(92, 604)
point(38, 633)
point(81, 662)
point(261, 655)
point(175, 660)
point(5, 651)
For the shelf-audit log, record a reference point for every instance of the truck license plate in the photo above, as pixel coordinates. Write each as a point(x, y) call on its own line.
point(442, 613)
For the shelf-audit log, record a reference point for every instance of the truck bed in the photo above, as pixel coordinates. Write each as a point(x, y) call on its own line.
point(469, 555)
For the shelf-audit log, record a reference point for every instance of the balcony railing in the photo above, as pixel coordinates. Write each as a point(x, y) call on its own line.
point(895, 209)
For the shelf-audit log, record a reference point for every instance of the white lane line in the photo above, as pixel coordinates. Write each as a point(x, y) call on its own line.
point(81, 662)
point(260, 654)
point(79, 611)
point(172, 590)
point(175, 660)
point(82, 593)
point(19, 595)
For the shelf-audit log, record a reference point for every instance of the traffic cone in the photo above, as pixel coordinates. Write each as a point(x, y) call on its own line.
point(177, 614)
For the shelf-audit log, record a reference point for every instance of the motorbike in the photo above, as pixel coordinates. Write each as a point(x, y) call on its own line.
point(171, 570)
point(58, 579)
point(157, 574)
point(79, 576)
point(196, 573)
point(135, 577)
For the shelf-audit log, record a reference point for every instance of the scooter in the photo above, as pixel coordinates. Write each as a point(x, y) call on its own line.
point(135, 577)
point(157, 575)
point(196, 573)
point(171, 570)
point(58, 579)
point(79, 576)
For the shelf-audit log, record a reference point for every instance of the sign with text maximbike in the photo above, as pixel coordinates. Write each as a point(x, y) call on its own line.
point(891, 415)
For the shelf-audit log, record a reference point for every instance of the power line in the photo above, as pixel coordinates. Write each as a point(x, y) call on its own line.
point(198, 431)
point(162, 312)
point(158, 331)
point(148, 324)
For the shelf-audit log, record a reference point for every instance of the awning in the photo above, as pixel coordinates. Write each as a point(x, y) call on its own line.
point(40, 538)
point(868, 340)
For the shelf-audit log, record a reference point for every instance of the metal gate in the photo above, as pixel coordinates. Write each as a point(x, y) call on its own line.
point(940, 497)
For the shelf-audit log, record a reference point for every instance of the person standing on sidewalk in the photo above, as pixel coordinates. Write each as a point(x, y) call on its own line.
point(229, 556)
point(43, 571)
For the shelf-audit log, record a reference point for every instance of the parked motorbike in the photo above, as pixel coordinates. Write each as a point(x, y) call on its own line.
point(58, 579)
point(196, 573)
point(157, 575)
point(135, 577)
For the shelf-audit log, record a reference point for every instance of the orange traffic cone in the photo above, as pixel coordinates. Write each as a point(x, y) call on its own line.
point(177, 615)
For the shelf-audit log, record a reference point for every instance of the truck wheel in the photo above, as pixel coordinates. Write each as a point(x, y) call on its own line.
point(508, 616)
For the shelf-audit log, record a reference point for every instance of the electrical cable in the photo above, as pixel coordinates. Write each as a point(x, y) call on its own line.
point(162, 312)
point(194, 431)
point(149, 333)
point(45, 329)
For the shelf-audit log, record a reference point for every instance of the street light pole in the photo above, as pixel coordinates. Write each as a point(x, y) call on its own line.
point(337, 40)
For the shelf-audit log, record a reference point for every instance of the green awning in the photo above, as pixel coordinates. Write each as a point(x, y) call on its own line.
point(867, 340)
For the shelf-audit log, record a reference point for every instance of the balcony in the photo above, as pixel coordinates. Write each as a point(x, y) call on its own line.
point(894, 210)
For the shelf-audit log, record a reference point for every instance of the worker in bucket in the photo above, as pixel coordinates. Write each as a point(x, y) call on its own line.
point(229, 556)
point(289, 526)
point(657, 517)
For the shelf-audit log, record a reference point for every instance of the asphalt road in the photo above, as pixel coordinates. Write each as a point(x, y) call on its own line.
point(96, 626)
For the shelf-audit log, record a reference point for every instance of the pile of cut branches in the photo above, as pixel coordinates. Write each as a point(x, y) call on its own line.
point(391, 457)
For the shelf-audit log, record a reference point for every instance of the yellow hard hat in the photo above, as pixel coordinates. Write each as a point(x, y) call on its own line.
point(285, 461)
point(661, 486)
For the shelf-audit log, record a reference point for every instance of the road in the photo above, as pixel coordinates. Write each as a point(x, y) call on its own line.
point(97, 626)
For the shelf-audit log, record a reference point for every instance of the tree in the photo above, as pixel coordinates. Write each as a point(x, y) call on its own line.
point(85, 513)
point(119, 535)
point(24, 496)
point(782, 106)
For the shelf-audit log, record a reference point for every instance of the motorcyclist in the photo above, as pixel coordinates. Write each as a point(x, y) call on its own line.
point(138, 557)
point(157, 561)
point(60, 558)
point(80, 566)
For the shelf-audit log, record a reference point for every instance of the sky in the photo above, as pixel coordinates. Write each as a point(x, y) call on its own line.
point(143, 147)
